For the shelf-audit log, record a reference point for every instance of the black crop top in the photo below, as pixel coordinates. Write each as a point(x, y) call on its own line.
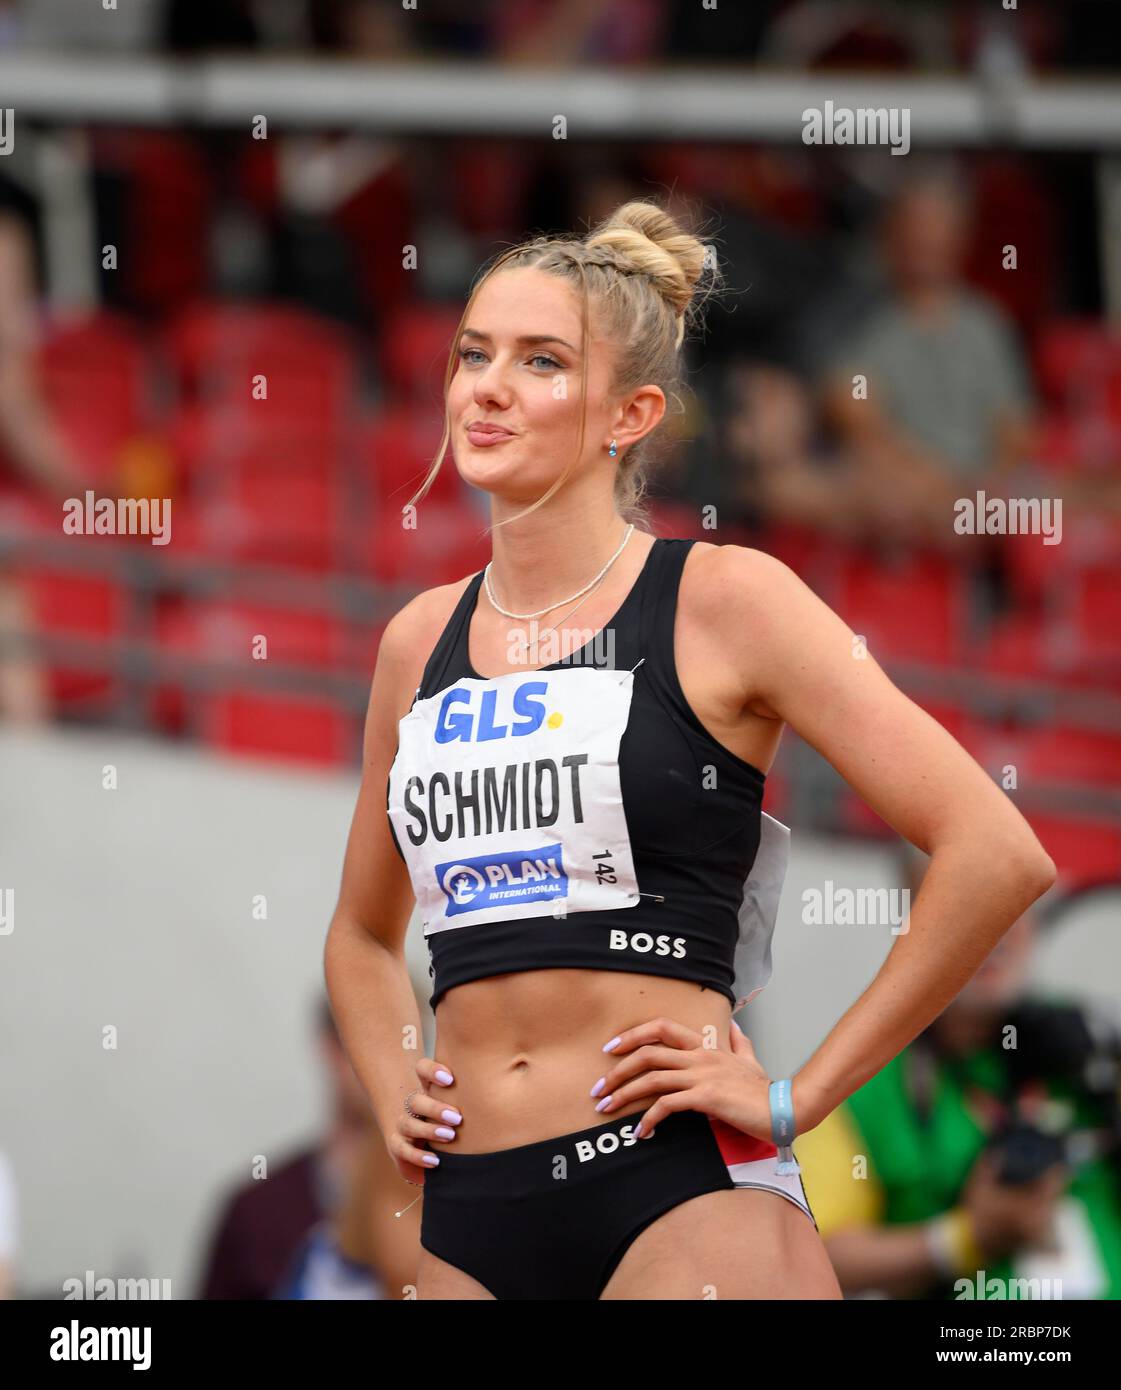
point(580, 815)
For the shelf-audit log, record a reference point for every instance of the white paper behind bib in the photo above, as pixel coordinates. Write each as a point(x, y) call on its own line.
point(759, 910)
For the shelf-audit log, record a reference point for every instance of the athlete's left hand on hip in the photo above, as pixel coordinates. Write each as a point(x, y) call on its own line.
point(687, 1071)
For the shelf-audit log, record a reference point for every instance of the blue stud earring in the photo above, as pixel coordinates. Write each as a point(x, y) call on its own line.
point(613, 450)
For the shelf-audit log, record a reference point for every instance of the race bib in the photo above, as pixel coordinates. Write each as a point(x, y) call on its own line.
point(504, 797)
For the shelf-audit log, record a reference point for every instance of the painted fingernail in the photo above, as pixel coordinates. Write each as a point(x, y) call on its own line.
point(604, 1103)
point(598, 1086)
point(445, 1078)
point(638, 1130)
point(613, 1043)
point(430, 1159)
point(443, 1132)
point(453, 1117)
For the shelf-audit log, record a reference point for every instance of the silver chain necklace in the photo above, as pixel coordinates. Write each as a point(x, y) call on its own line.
point(523, 616)
point(554, 627)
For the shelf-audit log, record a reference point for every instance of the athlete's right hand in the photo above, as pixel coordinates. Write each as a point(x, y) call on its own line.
point(437, 1122)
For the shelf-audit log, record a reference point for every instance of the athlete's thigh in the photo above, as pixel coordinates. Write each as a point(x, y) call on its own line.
point(737, 1243)
point(437, 1279)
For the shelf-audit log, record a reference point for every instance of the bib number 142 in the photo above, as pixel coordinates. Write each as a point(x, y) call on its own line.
point(605, 870)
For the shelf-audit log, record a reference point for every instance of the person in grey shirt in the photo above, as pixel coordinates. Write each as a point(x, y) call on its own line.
point(930, 395)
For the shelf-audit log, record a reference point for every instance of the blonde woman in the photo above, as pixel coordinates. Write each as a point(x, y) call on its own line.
point(580, 832)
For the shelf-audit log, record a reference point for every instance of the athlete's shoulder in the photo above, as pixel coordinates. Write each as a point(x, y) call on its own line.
point(416, 627)
point(719, 577)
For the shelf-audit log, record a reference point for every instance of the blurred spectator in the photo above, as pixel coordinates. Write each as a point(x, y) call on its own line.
point(947, 392)
point(369, 1251)
point(321, 1271)
point(30, 445)
point(264, 1224)
point(34, 458)
point(568, 32)
point(77, 26)
point(778, 470)
point(9, 1227)
point(363, 28)
point(867, 36)
point(948, 410)
point(986, 1153)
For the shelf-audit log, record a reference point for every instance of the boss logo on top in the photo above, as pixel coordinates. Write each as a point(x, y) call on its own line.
point(505, 797)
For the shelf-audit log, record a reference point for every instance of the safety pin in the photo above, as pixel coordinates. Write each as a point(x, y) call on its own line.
point(633, 669)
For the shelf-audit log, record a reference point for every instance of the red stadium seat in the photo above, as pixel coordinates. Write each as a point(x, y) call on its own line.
point(1096, 618)
point(93, 375)
point(1047, 577)
point(1082, 443)
point(250, 489)
point(1070, 754)
point(1051, 648)
point(65, 603)
point(276, 726)
point(287, 518)
point(220, 351)
point(1085, 851)
point(207, 445)
point(913, 610)
point(1079, 367)
point(1065, 755)
point(415, 346)
point(395, 450)
point(447, 544)
point(234, 714)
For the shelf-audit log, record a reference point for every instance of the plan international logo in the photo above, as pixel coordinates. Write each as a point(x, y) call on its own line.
point(506, 880)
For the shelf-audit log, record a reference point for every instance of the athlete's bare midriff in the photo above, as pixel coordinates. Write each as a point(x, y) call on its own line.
point(526, 1049)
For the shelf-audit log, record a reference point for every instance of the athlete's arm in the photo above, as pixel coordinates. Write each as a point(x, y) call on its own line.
point(799, 662)
point(364, 958)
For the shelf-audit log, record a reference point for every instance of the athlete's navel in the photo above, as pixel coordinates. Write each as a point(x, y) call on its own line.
point(520, 1064)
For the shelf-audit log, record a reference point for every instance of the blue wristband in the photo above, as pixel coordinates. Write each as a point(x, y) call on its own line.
point(782, 1125)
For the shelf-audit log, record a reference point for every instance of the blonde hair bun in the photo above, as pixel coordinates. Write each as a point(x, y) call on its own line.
point(648, 240)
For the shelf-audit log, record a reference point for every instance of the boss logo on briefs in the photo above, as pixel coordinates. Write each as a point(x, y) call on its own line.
point(644, 943)
point(456, 724)
point(606, 1143)
point(488, 880)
